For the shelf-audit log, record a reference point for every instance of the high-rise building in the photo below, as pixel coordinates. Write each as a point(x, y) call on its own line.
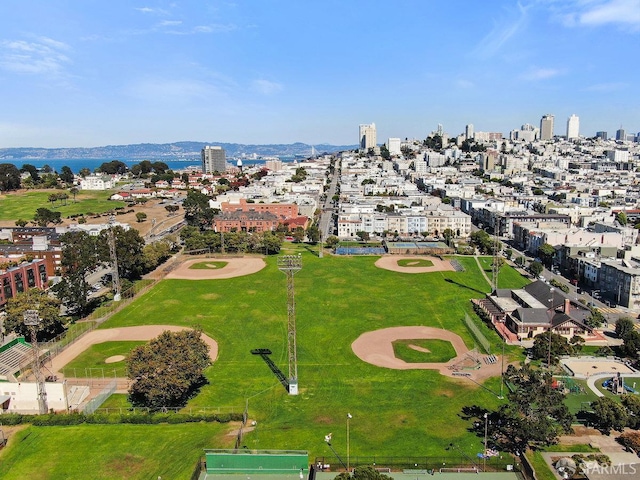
point(394, 146)
point(367, 136)
point(573, 127)
point(602, 135)
point(621, 134)
point(546, 127)
point(213, 159)
point(468, 131)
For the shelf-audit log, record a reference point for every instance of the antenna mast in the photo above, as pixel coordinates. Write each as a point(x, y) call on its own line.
point(290, 265)
point(495, 266)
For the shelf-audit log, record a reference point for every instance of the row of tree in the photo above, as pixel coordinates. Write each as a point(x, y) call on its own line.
point(268, 243)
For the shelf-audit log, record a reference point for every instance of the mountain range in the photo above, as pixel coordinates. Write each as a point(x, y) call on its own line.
point(177, 150)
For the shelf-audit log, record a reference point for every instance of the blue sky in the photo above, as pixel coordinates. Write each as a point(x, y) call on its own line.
point(90, 73)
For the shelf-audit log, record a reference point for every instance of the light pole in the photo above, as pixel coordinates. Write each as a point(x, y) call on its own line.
point(484, 457)
point(327, 438)
point(349, 417)
point(551, 290)
point(32, 320)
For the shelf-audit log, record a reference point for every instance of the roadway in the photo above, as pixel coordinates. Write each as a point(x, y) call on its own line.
point(327, 210)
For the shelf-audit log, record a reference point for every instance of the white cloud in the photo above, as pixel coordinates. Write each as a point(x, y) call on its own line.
point(536, 73)
point(501, 33)
point(152, 11)
point(266, 87)
point(169, 23)
point(40, 57)
point(624, 13)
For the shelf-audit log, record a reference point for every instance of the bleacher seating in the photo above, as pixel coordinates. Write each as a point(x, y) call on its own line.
point(14, 358)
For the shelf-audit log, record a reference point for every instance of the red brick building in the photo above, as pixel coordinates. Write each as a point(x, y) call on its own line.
point(249, 221)
point(281, 210)
point(19, 279)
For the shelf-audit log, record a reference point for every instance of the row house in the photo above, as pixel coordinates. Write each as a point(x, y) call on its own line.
point(285, 210)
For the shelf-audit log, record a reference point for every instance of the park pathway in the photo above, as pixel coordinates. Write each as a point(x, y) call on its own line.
point(482, 270)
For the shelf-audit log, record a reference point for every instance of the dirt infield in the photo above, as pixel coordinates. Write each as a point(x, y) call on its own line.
point(390, 262)
point(376, 348)
point(146, 332)
point(235, 267)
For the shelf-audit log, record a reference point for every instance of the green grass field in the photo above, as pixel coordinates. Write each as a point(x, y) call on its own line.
point(439, 351)
point(108, 452)
point(92, 361)
point(337, 299)
point(209, 265)
point(418, 262)
point(24, 204)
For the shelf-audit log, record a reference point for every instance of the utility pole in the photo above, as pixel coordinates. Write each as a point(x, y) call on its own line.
point(290, 265)
point(32, 320)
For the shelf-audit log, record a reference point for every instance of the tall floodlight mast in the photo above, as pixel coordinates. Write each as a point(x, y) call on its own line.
point(114, 260)
point(32, 320)
point(290, 265)
point(495, 267)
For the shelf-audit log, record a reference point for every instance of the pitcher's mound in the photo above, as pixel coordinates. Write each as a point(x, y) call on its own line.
point(114, 359)
point(235, 267)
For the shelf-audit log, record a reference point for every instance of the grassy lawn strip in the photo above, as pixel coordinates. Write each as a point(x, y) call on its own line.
point(91, 362)
point(108, 452)
point(543, 472)
point(417, 262)
point(116, 401)
point(212, 265)
point(439, 351)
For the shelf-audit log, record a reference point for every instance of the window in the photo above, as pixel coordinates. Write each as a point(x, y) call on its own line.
point(19, 282)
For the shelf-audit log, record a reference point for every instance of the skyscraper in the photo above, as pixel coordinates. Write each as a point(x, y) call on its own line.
point(468, 132)
point(546, 127)
point(621, 134)
point(367, 136)
point(573, 127)
point(213, 159)
point(602, 135)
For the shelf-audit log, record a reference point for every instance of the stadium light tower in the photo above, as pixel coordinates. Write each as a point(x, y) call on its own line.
point(32, 320)
point(115, 277)
point(290, 265)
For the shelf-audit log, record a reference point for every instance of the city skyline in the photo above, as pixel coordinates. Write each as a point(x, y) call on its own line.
point(81, 75)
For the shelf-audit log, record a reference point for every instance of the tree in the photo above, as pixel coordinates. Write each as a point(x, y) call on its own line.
point(534, 417)
point(621, 218)
point(631, 344)
point(84, 172)
point(114, 167)
point(624, 325)
point(632, 404)
point(73, 191)
point(332, 241)
point(298, 234)
point(197, 211)
point(167, 370)
point(172, 209)
point(595, 318)
point(536, 268)
point(482, 240)
point(44, 217)
point(79, 256)
point(33, 172)
point(21, 223)
point(66, 174)
point(129, 245)
point(608, 415)
point(559, 346)
point(313, 233)
point(9, 177)
point(363, 236)
point(48, 310)
point(141, 217)
point(546, 253)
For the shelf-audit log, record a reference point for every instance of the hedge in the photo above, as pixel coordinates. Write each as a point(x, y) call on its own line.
point(53, 419)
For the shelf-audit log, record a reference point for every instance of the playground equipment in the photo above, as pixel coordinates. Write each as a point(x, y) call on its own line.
point(617, 386)
point(568, 384)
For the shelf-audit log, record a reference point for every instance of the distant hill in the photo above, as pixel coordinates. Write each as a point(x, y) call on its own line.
point(187, 150)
